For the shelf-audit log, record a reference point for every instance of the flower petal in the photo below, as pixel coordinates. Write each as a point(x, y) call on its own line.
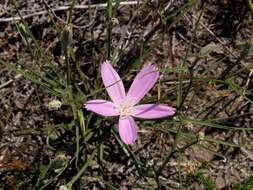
point(153, 111)
point(112, 82)
point(143, 82)
point(102, 107)
point(127, 130)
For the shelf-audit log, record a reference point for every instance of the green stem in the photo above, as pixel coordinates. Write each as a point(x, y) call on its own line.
point(170, 154)
point(80, 173)
point(109, 28)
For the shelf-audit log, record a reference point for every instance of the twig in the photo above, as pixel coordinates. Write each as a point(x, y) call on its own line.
point(10, 81)
point(62, 8)
point(177, 82)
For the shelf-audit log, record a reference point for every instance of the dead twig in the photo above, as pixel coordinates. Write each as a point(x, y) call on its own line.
point(10, 81)
point(63, 21)
point(63, 8)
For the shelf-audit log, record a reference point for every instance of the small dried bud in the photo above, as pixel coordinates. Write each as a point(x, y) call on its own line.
point(54, 105)
point(201, 136)
point(189, 125)
point(63, 187)
point(190, 166)
point(115, 21)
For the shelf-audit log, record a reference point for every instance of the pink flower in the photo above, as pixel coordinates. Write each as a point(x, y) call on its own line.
point(125, 105)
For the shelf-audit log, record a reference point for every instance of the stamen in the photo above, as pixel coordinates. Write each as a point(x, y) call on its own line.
point(125, 108)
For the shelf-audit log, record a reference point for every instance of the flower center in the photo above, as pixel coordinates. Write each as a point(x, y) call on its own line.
point(125, 108)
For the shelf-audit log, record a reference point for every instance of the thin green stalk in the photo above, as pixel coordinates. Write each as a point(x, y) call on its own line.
point(67, 40)
point(129, 153)
point(180, 98)
point(215, 125)
point(109, 28)
point(250, 6)
point(77, 145)
point(175, 151)
point(71, 11)
point(171, 153)
point(82, 170)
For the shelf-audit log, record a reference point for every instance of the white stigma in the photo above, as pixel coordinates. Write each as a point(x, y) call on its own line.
point(125, 108)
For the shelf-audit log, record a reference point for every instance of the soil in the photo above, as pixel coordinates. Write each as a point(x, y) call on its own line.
point(36, 142)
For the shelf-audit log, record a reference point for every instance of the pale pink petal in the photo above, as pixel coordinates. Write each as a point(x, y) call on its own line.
point(112, 82)
point(102, 107)
point(153, 111)
point(143, 82)
point(127, 130)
